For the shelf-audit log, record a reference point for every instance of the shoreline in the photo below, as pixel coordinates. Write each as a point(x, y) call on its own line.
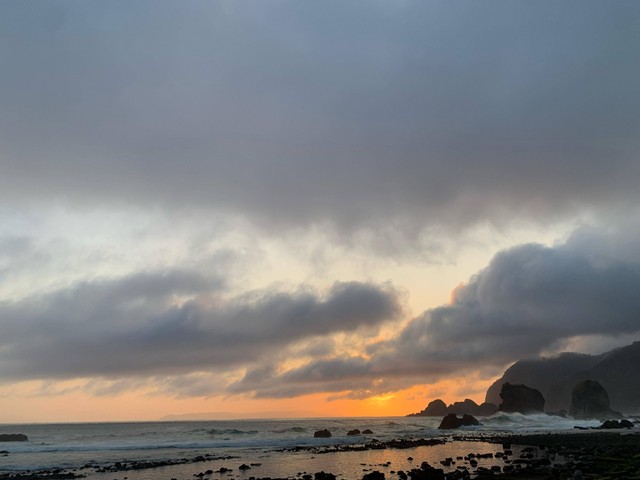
point(596, 454)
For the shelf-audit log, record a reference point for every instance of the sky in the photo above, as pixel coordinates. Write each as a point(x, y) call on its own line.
point(290, 208)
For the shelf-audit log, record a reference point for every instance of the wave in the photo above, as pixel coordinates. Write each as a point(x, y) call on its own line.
point(292, 429)
point(232, 431)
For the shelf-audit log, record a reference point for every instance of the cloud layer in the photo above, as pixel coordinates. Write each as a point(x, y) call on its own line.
point(528, 300)
point(414, 114)
point(171, 322)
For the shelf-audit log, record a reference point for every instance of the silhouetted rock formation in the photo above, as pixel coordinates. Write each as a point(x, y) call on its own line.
point(452, 421)
point(521, 399)
point(615, 424)
point(590, 400)
point(437, 408)
point(324, 433)
point(616, 370)
point(13, 437)
point(353, 432)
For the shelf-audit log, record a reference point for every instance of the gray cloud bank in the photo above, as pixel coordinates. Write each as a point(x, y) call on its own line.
point(179, 330)
point(294, 113)
point(172, 322)
point(528, 300)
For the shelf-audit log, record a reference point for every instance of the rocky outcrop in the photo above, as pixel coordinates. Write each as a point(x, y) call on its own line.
point(437, 408)
point(521, 399)
point(353, 432)
point(589, 399)
point(324, 433)
point(13, 437)
point(452, 421)
point(555, 377)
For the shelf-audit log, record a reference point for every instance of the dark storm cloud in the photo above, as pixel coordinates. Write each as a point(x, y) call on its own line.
point(529, 299)
point(409, 114)
point(173, 321)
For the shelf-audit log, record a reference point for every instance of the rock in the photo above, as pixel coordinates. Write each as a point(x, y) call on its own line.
point(324, 433)
point(13, 437)
point(244, 466)
point(486, 409)
point(324, 476)
point(436, 408)
point(452, 421)
point(521, 399)
point(367, 432)
point(353, 432)
point(589, 399)
point(375, 475)
point(611, 424)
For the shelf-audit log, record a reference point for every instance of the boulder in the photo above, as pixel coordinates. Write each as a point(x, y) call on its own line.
point(13, 437)
point(589, 399)
point(451, 421)
point(353, 432)
point(521, 399)
point(611, 424)
point(367, 432)
point(324, 433)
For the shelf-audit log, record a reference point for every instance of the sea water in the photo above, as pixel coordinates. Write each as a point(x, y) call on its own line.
point(269, 442)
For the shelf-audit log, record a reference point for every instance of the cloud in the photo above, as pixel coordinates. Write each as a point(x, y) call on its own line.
point(404, 117)
point(172, 321)
point(528, 300)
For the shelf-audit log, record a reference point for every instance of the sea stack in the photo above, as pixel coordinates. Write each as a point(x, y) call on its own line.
point(521, 399)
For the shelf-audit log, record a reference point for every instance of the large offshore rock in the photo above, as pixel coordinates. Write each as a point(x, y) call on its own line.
point(452, 421)
point(521, 399)
point(589, 399)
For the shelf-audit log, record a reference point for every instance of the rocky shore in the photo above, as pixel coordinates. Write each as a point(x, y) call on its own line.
point(575, 455)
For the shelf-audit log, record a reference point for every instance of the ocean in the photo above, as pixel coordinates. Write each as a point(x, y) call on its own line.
point(267, 446)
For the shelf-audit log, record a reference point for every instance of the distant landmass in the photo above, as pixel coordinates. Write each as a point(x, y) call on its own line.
point(555, 377)
point(241, 416)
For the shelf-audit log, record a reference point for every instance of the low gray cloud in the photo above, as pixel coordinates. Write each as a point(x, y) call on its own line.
point(407, 114)
point(172, 321)
point(528, 300)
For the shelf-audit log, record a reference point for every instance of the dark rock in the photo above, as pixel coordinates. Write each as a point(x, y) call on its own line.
point(589, 399)
point(244, 466)
point(375, 475)
point(521, 399)
point(367, 432)
point(486, 409)
point(452, 421)
point(353, 432)
point(324, 476)
point(611, 424)
point(324, 433)
point(437, 408)
point(13, 437)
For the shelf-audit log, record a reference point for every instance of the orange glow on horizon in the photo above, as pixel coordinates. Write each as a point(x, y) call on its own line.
point(21, 405)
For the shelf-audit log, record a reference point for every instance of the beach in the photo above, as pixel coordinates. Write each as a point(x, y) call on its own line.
point(509, 446)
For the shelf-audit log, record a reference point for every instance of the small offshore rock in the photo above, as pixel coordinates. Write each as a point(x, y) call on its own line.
point(13, 437)
point(324, 433)
point(367, 432)
point(353, 432)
